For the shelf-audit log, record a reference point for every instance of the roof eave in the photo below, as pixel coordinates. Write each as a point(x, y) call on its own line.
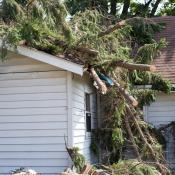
point(49, 59)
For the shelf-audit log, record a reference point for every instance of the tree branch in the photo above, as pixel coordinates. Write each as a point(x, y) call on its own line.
point(125, 93)
point(113, 28)
point(154, 156)
point(153, 11)
point(133, 66)
point(87, 50)
point(101, 85)
point(131, 137)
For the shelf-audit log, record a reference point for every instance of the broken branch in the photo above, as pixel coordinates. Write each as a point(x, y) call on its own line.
point(125, 93)
point(88, 51)
point(101, 85)
point(113, 28)
point(132, 66)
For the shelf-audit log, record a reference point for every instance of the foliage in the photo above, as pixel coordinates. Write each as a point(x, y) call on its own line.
point(133, 167)
point(115, 8)
point(133, 43)
point(168, 8)
point(77, 159)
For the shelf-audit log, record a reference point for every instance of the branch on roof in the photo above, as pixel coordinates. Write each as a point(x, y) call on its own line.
point(101, 85)
point(129, 98)
point(133, 66)
point(89, 51)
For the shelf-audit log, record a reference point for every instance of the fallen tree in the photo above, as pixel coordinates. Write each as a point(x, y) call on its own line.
point(88, 38)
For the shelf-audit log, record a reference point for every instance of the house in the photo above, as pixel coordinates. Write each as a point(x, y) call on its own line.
point(44, 100)
point(162, 111)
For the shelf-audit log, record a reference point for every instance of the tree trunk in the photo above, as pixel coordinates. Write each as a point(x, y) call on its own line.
point(125, 8)
point(132, 66)
point(113, 9)
point(154, 9)
point(147, 4)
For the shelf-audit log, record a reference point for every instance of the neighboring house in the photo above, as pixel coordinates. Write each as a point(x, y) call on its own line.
point(43, 99)
point(162, 111)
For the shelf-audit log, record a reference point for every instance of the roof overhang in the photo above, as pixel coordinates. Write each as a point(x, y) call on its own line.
point(47, 58)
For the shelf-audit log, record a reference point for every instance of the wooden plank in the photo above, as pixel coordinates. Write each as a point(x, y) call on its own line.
point(166, 108)
point(33, 111)
point(78, 98)
point(33, 118)
point(162, 119)
point(78, 112)
point(79, 119)
point(32, 148)
point(32, 75)
point(33, 126)
point(79, 126)
point(32, 82)
point(79, 132)
point(78, 105)
point(33, 97)
point(30, 90)
point(27, 68)
point(30, 162)
point(33, 155)
point(33, 104)
point(31, 140)
point(33, 133)
point(160, 114)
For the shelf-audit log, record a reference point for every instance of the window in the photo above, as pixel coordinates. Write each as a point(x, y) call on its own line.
point(88, 112)
point(88, 122)
point(88, 105)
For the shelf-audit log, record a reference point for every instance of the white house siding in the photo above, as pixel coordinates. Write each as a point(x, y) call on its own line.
point(81, 139)
point(162, 112)
point(33, 116)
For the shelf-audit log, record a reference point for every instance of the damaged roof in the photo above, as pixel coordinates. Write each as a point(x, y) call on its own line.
point(165, 62)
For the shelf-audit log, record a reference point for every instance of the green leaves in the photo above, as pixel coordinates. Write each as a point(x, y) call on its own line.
point(147, 52)
point(117, 136)
point(133, 167)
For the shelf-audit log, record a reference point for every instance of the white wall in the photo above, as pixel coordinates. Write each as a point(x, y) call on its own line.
point(33, 116)
point(162, 112)
point(81, 139)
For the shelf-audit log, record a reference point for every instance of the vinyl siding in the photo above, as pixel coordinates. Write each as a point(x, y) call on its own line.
point(81, 138)
point(160, 113)
point(33, 116)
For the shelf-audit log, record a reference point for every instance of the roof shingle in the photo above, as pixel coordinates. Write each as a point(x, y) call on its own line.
point(165, 62)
